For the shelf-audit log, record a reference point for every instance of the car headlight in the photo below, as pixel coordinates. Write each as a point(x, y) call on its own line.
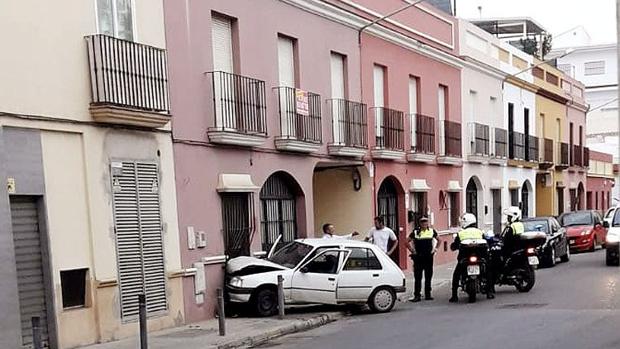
point(585, 232)
point(236, 282)
point(612, 239)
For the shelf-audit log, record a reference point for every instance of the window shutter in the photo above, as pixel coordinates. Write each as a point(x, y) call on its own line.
point(286, 62)
point(221, 32)
point(337, 68)
point(137, 222)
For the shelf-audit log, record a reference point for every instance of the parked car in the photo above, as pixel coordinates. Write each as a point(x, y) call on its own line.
point(317, 271)
point(612, 253)
point(585, 230)
point(556, 246)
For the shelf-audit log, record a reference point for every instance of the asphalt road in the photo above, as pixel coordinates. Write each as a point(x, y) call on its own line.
point(573, 305)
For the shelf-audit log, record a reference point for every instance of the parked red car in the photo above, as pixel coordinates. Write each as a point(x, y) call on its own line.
point(585, 230)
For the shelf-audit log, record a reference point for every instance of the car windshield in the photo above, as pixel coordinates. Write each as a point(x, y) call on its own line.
point(538, 225)
point(576, 218)
point(291, 254)
point(616, 221)
point(609, 213)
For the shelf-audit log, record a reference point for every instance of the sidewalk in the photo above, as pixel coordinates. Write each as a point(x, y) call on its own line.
point(245, 332)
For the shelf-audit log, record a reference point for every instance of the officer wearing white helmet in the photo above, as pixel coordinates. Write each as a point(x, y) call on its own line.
point(513, 229)
point(469, 231)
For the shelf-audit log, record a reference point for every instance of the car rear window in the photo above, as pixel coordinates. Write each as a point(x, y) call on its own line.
point(539, 225)
point(362, 259)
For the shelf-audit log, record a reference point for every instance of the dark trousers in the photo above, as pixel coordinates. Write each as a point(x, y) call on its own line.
point(422, 264)
point(461, 268)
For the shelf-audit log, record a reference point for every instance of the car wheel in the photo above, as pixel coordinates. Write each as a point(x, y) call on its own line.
point(611, 261)
point(550, 257)
point(382, 300)
point(265, 302)
point(566, 257)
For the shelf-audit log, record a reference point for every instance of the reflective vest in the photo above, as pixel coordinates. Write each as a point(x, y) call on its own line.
point(470, 234)
point(425, 234)
point(517, 228)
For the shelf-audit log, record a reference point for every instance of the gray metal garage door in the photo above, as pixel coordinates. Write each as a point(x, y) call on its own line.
point(29, 261)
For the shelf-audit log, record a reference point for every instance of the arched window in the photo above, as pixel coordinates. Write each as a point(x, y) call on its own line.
point(387, 204)
point(278, 210)
point(525, 200)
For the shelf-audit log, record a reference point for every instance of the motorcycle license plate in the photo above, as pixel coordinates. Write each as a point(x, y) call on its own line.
point(473, 270)
point(572, 242)
point(533, 260)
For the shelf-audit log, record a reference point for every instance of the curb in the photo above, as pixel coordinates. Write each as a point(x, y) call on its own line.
point(294, 327)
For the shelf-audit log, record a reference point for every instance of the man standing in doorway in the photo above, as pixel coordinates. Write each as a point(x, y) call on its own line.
point(329, 232)
point(381, 235)
point(422, 243)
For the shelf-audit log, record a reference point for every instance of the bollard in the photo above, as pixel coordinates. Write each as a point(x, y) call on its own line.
point(142, 315)
point(36, 333)
point(221, 314)
point(280, 297)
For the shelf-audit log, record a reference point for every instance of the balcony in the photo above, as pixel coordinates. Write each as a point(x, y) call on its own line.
point(349, 128)
point(450, 146)
point(239, 110)
point(532, 150)
point(390, 134)
point(546, 154)
point(423, 139)
point(562, 161)
point(479, 143)
point(300, 120)
point(516, 146)
point(500, 147)
point(577, 156)
point(129, 82)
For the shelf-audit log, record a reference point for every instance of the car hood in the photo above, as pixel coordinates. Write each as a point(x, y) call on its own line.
point(250, 265)
point(575, 230)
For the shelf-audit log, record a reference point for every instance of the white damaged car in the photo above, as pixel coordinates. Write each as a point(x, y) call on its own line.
point(316, 271)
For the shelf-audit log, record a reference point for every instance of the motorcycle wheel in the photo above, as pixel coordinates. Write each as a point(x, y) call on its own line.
point(525, 279)
point(470, 288)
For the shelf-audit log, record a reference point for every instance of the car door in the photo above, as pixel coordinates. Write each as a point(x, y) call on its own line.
point(600, 230)
point(559, 235)
point(316, 280)
point(360, 275)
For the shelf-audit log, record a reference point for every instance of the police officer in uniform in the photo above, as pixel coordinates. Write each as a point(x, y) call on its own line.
point(423, 245)
point(513, 229)
point(469, 231)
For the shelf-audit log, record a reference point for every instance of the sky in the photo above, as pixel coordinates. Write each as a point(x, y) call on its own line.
point(598, 17)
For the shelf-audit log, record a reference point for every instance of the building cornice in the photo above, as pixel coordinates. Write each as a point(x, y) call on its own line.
point(552, 96)
point(484, 68)
point(347, 18)
point(511, 79)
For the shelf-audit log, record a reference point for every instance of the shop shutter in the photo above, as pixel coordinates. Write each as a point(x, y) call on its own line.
point(29, 263)
point(221, 32)
point(137, 220)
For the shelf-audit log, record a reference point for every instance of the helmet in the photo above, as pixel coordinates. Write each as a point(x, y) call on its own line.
point(467, 220)
point(513, 213)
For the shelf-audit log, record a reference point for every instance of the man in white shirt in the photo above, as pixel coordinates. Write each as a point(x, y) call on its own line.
point(381, 235)
point(329, 232)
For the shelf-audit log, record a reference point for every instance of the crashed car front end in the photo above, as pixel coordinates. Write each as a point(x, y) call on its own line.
point(245, 274)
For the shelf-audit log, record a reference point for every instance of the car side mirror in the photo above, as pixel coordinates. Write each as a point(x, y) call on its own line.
point(605, 224)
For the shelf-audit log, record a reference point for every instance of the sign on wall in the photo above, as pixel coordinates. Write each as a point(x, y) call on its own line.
point(302, 106)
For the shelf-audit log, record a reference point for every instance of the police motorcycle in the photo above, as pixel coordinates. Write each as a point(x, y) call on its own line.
point(518, 268)
point(474, 263)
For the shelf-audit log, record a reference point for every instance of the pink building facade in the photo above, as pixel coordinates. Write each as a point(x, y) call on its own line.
point(600, 181)
point(575, 177)
point(275, 129)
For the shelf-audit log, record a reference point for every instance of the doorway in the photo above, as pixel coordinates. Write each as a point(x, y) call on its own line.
point(471, 199)
point(387, 207)
point(33, 279)
point(560, 200)
point(497, 210)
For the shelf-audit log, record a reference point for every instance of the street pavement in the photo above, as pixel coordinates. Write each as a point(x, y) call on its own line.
point(573, 305)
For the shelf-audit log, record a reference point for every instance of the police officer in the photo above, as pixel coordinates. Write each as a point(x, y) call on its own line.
point(469, 231)
point(513, 229)
point(422, 243)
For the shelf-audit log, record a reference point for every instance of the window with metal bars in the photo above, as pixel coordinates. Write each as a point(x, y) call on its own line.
point(139, 241)
point(278, 211)
point(236, 223)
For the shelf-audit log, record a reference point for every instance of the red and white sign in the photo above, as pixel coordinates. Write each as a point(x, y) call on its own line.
point(302, 106)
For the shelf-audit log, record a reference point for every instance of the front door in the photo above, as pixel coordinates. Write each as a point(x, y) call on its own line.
point(387, 207)
point(560, 201)
point(497, 210)
point(316, 282)
point(471, 198)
